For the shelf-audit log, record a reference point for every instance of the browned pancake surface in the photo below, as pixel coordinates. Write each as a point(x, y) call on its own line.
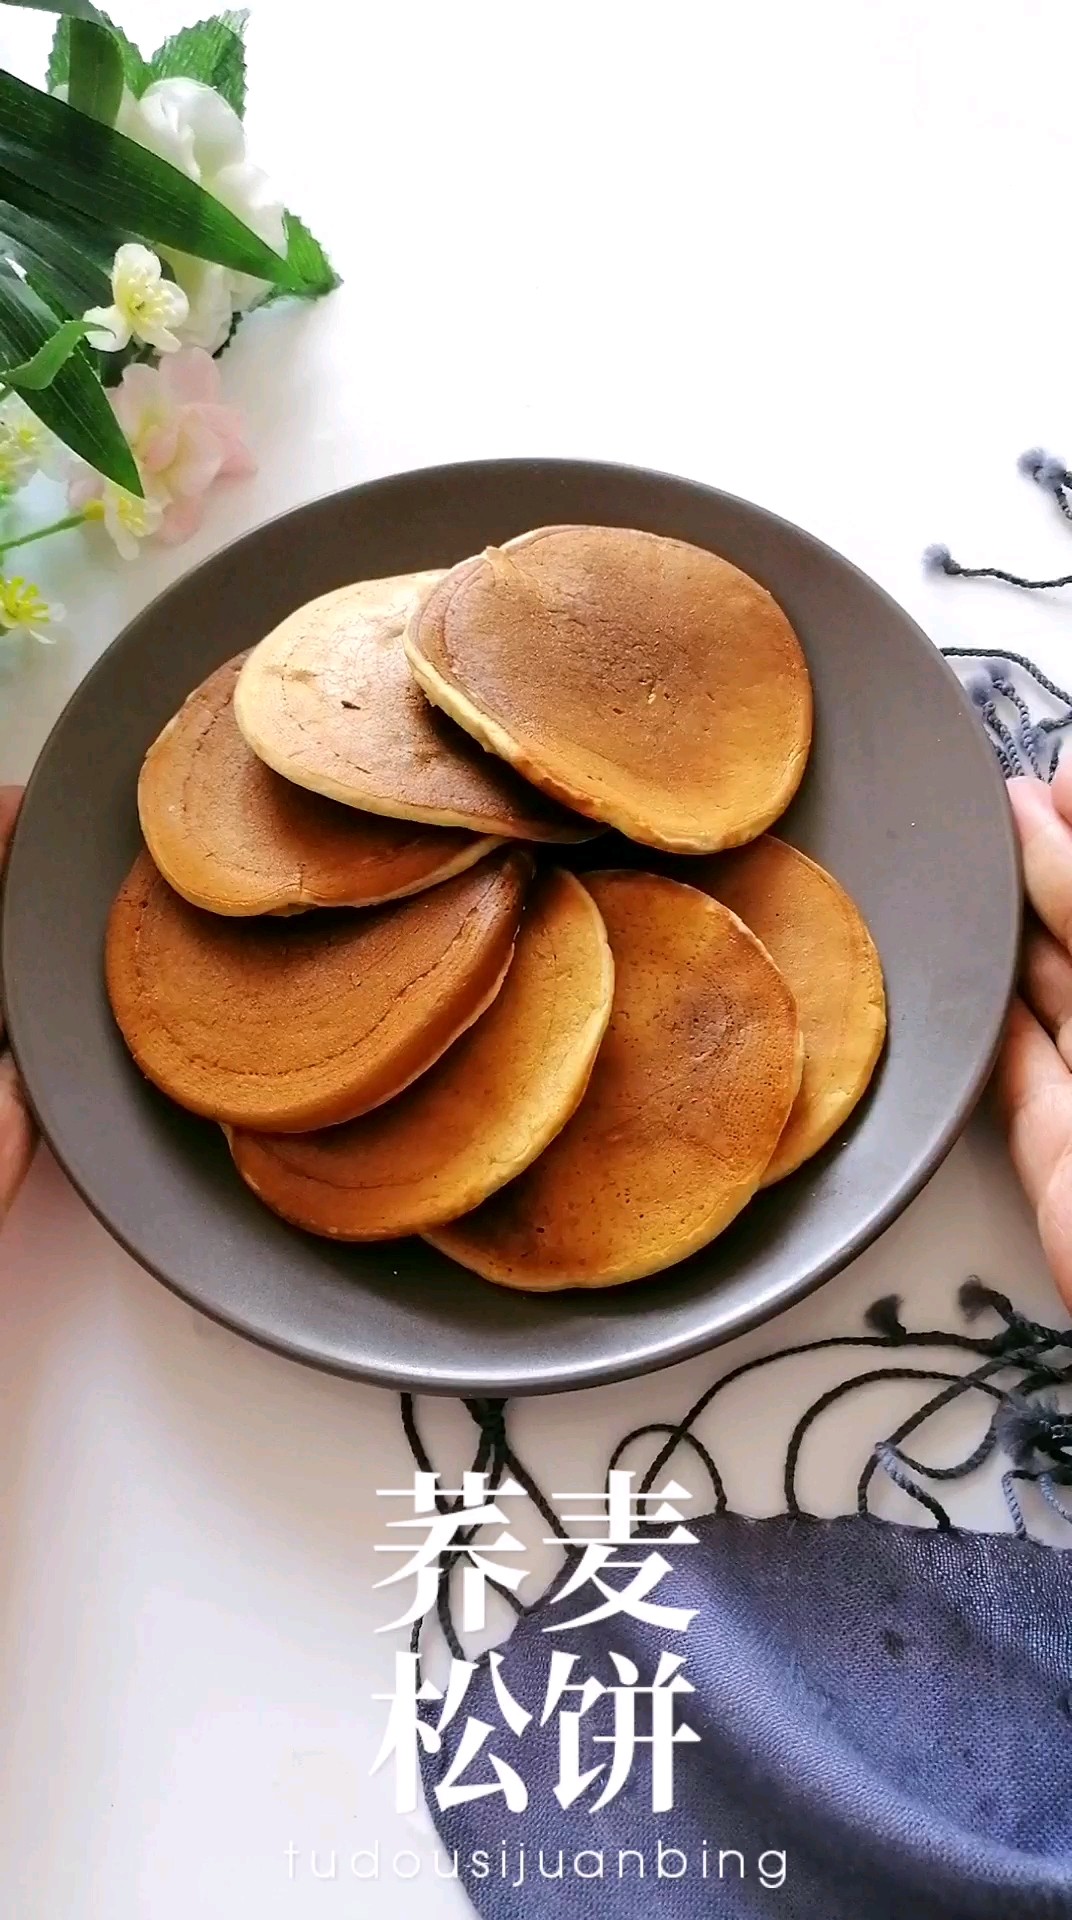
point(297, 1023)
point(480, 1115)
point(647, 683)
point(328, 701)
point(817, 936)
point(233, 837)
point(689, 1094)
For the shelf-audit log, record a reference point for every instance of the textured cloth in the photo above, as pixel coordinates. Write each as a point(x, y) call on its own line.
point(889, 1707)
point(878, 1719)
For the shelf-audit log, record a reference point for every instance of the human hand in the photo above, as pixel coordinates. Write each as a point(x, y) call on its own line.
point(17, 1136)
point(1034, 1076)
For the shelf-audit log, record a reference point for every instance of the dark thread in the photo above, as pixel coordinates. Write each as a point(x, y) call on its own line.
point(883, 1343)
point(1017, 660)
point(486, 1460)
point(1047, 470)
point(1018, 1347)
point(1036, 1427)
point(1049, 1494)
point(884, 1316)
point(1021, 1334)
point(1003, 743)
point(978, 1456)
point(1043, 1375)
point(893, 1467)
point(1033, 734)
point(975, 1380)
point(975, 1297)
point(1019, 1524)
point(1027, 726)
point(830, 1398)
point(955, 571)
point(957, 1386)
point(960, 1341)
point(1049, 473)
point(718, 1485)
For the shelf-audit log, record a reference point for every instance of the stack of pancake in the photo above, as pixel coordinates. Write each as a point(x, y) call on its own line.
point(358, 939)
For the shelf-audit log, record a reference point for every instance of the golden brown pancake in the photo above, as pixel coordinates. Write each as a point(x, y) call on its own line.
point(328, 701)
point(480, 1116)
point(689, 1094)
point(297, 1023)
point(817, 937)
point(232, 837)
point(641, 681)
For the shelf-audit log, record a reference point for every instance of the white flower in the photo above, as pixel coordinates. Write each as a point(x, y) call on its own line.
point(250, 196)
point(208, 292)
point(126, 518)
point(146, 305)
point(27, 447)
point(188, 124)
point(192, 126)
point(24, 610)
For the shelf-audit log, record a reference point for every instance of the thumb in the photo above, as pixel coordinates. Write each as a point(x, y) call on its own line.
point(1046, 840)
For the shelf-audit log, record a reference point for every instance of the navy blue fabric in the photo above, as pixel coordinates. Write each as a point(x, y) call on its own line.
point(889, 1706)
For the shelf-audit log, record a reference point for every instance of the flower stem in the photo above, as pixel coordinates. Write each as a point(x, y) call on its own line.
point(55, 526)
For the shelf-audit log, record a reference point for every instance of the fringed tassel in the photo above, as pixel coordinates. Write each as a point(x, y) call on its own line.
point(1027, 1426)
point(1048, 471)
point(938, 559)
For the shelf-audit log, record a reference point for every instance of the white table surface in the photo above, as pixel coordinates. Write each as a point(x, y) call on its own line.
point(814, 255)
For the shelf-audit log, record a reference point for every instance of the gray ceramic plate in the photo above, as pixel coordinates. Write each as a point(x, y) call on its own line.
point(902, 800)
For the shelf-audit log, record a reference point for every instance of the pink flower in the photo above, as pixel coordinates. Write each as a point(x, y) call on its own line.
point(183, 440)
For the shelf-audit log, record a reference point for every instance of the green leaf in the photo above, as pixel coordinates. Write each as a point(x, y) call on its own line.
point(94, 171)
point(42, 367)
point(311, 272)
point(135, 70)
point(96, 240)
point(75, 406)
point(211, 52)
point(77, 9)
point(96, 85)
point(68, 263)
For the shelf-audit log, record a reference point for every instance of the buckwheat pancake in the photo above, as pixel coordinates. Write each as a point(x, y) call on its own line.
point(291, 1024)
point(480, 1116)
point(327, 700)
point(643, 682)
point(233, 837)
point(818, 939)
point(688, 1097)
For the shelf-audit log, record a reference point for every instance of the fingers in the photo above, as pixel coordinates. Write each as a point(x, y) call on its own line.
point(1034, 1094)
point(1046, 839)
point(10, 802)
point(1046, 984)
point(1061, 788)
point(17, 1133)
point(1034, 1090)
point(1033, 1081)
point(17, 1137)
